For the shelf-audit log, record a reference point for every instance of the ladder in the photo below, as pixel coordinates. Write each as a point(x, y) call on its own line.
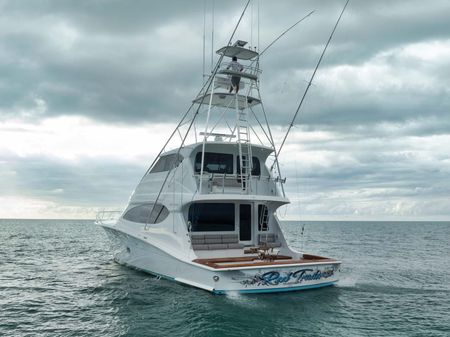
point(245, 148)
point(264, 219)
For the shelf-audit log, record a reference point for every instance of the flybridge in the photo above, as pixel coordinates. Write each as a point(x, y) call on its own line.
point(228, 109)
point(219, 98)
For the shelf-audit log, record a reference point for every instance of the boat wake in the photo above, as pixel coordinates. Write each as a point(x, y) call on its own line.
point(347, 282)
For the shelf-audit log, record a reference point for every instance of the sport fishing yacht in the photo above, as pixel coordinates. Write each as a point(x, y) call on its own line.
point(204, 214)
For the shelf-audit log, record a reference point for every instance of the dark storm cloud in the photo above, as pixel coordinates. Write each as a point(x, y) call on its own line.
point(371, 36)
point(95, 80)
point(110, 17)
point(141, 61)
point(108, 60)
point(367, 28)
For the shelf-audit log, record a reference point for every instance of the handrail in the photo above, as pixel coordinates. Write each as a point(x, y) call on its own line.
point(233, 176)
point(246, 69)
point(107, 215)
point(228, 183)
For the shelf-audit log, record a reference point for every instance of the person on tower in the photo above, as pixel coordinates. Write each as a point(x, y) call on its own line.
point(235, 80)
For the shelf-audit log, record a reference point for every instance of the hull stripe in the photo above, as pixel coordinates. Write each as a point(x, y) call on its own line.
point(272, 290)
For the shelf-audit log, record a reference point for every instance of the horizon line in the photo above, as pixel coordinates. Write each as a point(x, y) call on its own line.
point(282, 220)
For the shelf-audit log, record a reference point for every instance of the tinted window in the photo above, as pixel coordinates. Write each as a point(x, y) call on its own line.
point(205, 217)
point(245, 222)
point(141, 213)
point(256, 168)
point(215, 162)
point(167, 163)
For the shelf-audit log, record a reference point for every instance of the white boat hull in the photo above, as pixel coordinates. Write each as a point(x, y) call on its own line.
point(137, 253)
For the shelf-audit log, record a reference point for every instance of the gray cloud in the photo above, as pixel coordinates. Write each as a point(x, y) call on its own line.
point(369, 182)
point(378, 94)
point(103, 182)
point(121, 62)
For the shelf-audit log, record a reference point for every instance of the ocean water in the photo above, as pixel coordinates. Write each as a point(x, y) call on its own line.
point(57, 278)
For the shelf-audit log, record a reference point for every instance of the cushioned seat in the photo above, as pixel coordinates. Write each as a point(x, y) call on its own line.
point(215, 241)
point(200, 247)
point(235, 246)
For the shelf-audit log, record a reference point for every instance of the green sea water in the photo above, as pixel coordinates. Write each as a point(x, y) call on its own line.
point(58, 278)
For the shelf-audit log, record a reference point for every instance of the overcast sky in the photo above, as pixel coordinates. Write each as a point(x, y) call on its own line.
point(89, 90)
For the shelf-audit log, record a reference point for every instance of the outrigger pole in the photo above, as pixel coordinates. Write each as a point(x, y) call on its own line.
point(282, 34)
point(207, 85)
point(312, 77)
point(287, 30)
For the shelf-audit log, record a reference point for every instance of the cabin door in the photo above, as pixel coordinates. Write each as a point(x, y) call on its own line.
point(245, 223)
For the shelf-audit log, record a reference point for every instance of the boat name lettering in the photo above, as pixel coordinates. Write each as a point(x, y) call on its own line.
point(275, 278)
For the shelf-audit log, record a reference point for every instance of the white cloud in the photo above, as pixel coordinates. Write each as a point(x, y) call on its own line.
point(400, 69)
point(64, 36)
point(436, 52)
point(73, 138)
point(20, 207)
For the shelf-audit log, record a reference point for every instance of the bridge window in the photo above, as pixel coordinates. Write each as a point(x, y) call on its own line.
point(211, 217)
point(166, 163)
point(214, 162)
point(144, 214)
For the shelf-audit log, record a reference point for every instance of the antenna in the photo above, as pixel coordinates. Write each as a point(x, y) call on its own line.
point(251, 24)
point(259, 4)
point(212, 35)
point(204, 39)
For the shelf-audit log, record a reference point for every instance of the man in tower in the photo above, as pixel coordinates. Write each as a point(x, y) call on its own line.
point(235, 80)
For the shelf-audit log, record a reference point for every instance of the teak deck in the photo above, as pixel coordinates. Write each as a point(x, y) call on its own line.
point(254, 261)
